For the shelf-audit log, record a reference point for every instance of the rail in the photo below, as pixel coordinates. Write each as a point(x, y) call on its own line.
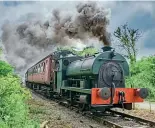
point(136, 118)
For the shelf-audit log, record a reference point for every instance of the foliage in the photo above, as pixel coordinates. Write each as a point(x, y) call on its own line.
point(5, 68)
point(143, 75)
point(14, 111)
point(87, 50)
point(13, 108)
point(0, 51)
point(127, 38)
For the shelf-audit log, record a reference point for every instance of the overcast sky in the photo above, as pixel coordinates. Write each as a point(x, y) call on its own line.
point(139, 15)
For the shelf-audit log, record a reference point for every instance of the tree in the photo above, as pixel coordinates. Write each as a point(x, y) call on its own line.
point(0, 51)
point(5, 68)
point(127, 40)
point(89, 50)
point(13, 108)
point(85, 51)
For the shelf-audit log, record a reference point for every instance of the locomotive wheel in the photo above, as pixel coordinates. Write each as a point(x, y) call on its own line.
point(82, 107)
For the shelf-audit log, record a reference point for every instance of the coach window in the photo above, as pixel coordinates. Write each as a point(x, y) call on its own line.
point(39, 68)
point(35, 69)
point(44, 67)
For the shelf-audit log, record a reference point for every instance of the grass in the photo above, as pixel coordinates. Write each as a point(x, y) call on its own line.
point(36, 110)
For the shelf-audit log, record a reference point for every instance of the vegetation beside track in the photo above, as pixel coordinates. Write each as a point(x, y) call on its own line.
point(14, 111)
point(143, 75)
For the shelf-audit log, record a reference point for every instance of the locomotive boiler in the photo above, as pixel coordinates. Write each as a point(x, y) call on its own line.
point(94, 82)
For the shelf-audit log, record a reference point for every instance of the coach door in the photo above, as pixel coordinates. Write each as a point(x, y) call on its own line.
point(53, 73)
point(43, 72)
point(47, 70)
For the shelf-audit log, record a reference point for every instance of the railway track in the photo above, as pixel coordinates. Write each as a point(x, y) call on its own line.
point(121, 120)
point(135, 118)
point(111, 118)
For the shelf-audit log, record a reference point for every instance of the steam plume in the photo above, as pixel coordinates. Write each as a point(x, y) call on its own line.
point(26, 43)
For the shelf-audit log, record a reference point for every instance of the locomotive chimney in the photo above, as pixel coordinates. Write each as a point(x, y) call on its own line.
point(106, 48)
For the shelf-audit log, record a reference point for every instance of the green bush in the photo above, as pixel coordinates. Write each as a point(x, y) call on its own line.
point(143, 75)
point(13, 108)
point(87, 50)
point(5, 68)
